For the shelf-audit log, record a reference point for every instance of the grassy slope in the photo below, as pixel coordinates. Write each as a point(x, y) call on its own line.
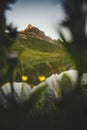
point(39, 57)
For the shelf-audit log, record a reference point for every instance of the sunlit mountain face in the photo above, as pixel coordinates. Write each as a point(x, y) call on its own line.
point(35, 32)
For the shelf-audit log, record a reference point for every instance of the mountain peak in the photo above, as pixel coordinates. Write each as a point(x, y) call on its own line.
point(36, 33)
point(29, 27)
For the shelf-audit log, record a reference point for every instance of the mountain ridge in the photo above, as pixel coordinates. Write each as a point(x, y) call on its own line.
point(33, 31)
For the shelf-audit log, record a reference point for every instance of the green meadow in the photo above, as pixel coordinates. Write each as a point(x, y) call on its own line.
point(40, 57)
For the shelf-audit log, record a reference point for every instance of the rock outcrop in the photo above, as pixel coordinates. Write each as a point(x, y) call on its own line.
point(36, 33)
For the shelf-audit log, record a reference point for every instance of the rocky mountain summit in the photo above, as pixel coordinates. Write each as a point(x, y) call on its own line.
point(36, 33)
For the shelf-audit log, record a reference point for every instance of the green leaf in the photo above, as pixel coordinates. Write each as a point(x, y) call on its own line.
point(36, 94)
point(66, 85)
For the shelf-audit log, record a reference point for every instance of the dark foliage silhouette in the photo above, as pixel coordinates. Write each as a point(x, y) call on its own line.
point(76, 23)
point(6, 40)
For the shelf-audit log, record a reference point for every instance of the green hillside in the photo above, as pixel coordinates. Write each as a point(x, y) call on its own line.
point(40, 57)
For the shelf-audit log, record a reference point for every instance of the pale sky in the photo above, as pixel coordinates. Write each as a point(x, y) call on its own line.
point(43, 14)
